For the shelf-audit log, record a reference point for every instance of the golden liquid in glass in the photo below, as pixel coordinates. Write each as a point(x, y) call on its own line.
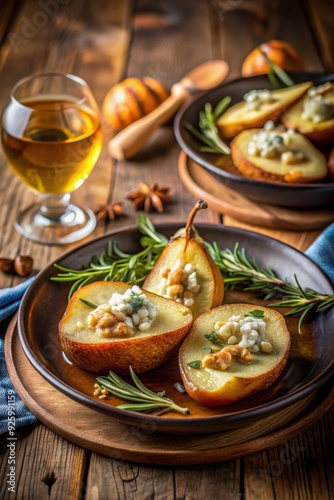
point(53, 147)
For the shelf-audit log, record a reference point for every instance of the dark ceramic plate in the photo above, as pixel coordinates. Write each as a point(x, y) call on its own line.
point(310, 363)
point(301, 195)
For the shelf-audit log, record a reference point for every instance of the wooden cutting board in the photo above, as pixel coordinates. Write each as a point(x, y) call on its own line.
point(102, 434)
point(226, 201)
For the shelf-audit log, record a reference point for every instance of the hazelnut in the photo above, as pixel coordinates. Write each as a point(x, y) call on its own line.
point(6, 265)
point(23, 265)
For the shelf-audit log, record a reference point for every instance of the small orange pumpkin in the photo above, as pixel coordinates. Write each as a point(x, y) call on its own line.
point(131, 99)
point(282, 53)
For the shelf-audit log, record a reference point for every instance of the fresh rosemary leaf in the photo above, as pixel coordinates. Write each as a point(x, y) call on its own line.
point(256, 313)
point(115, 250)
point(142, 398)
point(76, 285)
point(275, 82)
point(278, 71)
point(140, 385)
point(147, 228)
point(199, 136)
point(221, 108)
point(208, 349)
point(195, 364)
point(207, 149)
point(139, 407)
point(89, 304)
point(208, 133)
point(326, 302)
point(303, 315)
point(213, 338)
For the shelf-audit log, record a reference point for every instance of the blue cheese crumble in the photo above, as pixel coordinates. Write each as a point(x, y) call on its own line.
point(256, 98)
point(122, 314)
point(316, 107)
point(247, 332)
point(272, 143)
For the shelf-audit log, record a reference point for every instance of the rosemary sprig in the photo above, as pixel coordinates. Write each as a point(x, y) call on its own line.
point(116, 265)
point(239, 269)
point(88, 303)
point(208, 132)
point(236, 266)
point(142, 398)
point(277, 73)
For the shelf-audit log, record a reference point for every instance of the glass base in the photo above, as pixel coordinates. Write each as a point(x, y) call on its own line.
point(72, 225)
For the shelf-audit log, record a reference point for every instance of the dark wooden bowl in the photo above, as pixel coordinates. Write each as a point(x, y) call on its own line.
point(280, 194)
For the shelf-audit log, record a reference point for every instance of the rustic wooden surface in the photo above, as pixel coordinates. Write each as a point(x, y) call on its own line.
point(104, 41)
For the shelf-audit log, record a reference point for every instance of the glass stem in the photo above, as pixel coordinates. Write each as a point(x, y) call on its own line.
point(54, 206)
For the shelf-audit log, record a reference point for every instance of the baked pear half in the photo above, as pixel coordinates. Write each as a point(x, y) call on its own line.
point(313, 115)
point(232, 352)
point(278, 156)
point(186, 272)
point(129, 326)
point(259, 107)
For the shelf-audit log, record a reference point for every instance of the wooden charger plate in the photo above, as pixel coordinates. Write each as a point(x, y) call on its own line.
point(227, 201)
point(101, 433)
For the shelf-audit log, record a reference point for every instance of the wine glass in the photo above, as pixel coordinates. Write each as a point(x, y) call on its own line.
point(51, 136)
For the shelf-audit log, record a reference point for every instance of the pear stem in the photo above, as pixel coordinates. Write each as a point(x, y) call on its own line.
point(200, 205)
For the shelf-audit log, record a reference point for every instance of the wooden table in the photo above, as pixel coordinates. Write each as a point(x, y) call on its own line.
point(103, 42)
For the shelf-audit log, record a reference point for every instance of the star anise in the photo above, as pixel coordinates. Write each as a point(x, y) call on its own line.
point(149, 198)
point(109, 211)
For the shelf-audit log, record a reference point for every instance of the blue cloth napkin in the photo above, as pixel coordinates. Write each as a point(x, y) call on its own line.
point(322, 251)
point(13, 412)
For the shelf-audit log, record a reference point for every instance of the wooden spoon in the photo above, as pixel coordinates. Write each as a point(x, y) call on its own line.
point(204, 77)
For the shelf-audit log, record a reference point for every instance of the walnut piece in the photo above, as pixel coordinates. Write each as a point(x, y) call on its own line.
point(106, 324)
point(222, 359)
